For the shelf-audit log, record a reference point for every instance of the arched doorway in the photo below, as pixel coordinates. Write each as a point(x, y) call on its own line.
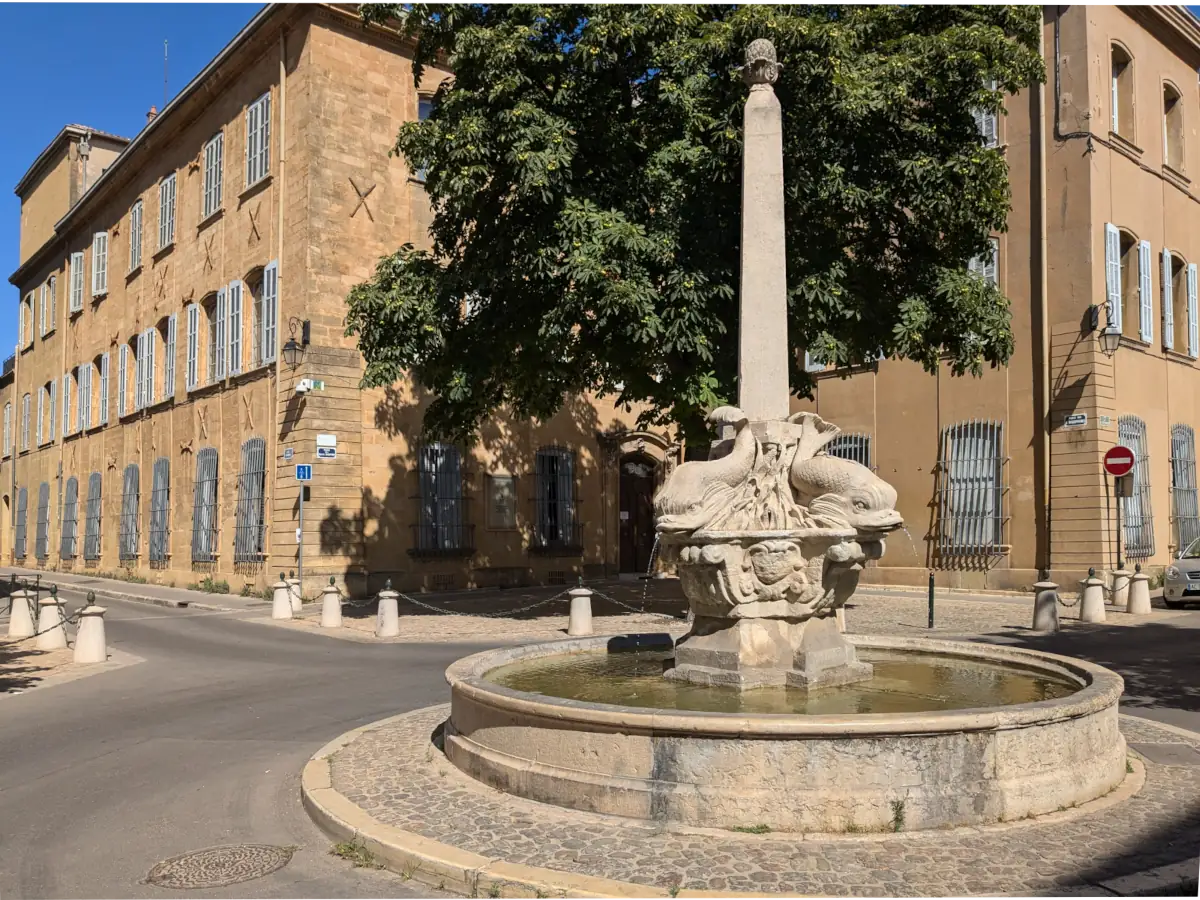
point(638, 479)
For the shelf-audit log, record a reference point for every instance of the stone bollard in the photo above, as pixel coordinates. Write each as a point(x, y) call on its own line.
point(295, 594)
point(1120, 588)
point(388, 622)
point(331, 606)
point(20, 621)
point(1091, 599)
point(90, 644)
point(840, 616)
point(1045, 606)
point(580, 622)
point(281, 599)
point(52, 632)
point(1139, 593)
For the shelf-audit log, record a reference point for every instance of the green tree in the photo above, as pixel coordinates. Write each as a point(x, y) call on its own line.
point(584, 168)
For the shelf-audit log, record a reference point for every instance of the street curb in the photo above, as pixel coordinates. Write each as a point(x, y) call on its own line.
point(117, 659)
point(105, 593)
point(445, 867)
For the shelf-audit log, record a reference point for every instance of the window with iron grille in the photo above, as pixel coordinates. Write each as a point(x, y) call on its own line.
point(1185, 512)
point(70, 520)
point(555, 524)
point(441, 528)
point(251, 500)
point(853, 446)
point(130, 496)
point(42, 542)
point(971, 490)
point(160, 512)
point(1138, 519)
point(19, 533)
point(204, 506)
point(91, 533)
point(214, 152)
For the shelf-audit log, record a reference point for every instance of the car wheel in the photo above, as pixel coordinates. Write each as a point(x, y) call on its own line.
point(1173, 604)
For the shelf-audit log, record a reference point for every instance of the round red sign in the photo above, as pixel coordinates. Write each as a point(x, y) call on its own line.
point(1118, 461)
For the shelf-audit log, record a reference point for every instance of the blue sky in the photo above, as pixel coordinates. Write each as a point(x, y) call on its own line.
point(99, 65)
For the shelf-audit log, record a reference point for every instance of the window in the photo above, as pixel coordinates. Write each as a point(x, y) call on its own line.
point(813, 362)
point(987, 122)
point(502, 501)
point(971, 490)
point(67, 548)
point(25, 422)
point(25, 322)
point(128, 542)
point(76, 301)
point(66, 403)
point(1172, 128)
point(251, 501)
point(1145, 294)
point(160, 507)
point(41, 415)
point(1124, 281)
point(555, 524)
point(104, 389)
point(91, 535)
point(1173, 283)
point(266, 314)
point(7, 429)
point(1193, 317)
point(44, 319)
point(1122, 93)
point(258, 139)
point(1138, 519)
point(83, 404)
point(122, 377)
point(53, 283)
point(19, 533)
point(987, 265)
point(100, 263)
point(424, 111)
point(439, 476)
point(193, 347)
point(1185, 511)
point(135, 236)
point(169, 355)
point(216, 309)
point(144, 369)
point(41, 547)
point(166, 212)
point(52, 387)
point(235, 327)
point(204, 507)
point(214, 152)
point(856, 447)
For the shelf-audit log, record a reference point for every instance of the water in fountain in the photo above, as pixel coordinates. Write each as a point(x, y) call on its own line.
point(649, 571)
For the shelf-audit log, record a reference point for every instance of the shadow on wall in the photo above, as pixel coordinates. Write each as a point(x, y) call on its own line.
point(379, 538)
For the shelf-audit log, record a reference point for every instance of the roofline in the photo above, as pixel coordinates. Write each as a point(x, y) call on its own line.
point(1181, 21)
point(44, 157)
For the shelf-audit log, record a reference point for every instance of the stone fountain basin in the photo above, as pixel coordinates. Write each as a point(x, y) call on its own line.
point(800, 773)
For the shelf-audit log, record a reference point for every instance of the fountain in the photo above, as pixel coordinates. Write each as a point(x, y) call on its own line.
point(765, 713)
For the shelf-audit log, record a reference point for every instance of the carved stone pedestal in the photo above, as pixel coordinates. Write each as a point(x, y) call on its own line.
point(751, 653)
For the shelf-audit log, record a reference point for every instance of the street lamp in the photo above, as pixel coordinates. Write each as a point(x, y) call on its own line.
point(1109, 341)
point(293, 351)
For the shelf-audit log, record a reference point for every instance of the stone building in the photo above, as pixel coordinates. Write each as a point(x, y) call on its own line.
point(177, 292)
point(1001, 477)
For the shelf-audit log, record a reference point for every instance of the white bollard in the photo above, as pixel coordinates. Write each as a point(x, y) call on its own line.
point(1045, 606)
point(1091, 599)
point(90, 645)
point(281, 600)
point(580, 622)
point(20, 621)
point(52, 632)
point(295, 594)
point(1139, 593)
point(331, 606)
point(388, 622)
point(1120, 588)
point(840, 616)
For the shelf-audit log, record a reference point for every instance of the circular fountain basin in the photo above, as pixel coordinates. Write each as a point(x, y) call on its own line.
point(946, 734)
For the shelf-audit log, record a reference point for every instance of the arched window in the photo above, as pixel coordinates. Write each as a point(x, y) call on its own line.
point(91, 536)
point(70, 520)
point(1185, 512)
point(20, 541)
point(25, 324)
point(1122, 92)
point(42, 544)
point(160, 512)
point(1138, 518)
point(1172, 128)
point(214, 343)
point(204, 507)
point(1173, 281)
point(249, 527)
point(129, 535)
point(8, 428)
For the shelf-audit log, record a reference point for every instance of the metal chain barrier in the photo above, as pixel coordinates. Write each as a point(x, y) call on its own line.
point(485, 615)
point(67, 620)
point(632, 608)
point(1065, 603)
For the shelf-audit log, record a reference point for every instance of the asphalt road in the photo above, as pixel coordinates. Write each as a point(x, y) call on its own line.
point(199, 745)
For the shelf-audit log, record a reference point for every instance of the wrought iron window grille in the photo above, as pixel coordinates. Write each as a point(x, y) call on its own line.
point(249, 527)
point(68, 548)
point(442, 527)
point(160, 513)
point(557, 530)
point(204, 506)
point(42, 542)
point(853, 446)
point(1137, 515)
point(91, 535)
point(1185, 511)
point(970, 494)
point(20, 534)
point(129, 536)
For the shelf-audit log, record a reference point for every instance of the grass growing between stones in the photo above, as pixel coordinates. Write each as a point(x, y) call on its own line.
point(354, 852)
point(897, 815)
point(752, 829)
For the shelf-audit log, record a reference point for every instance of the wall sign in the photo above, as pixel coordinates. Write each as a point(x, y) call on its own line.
point(1075, 420)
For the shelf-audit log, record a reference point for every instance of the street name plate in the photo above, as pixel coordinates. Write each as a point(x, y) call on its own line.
point(1075, 420)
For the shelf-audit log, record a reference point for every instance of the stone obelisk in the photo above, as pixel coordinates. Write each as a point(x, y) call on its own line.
point(763, 355)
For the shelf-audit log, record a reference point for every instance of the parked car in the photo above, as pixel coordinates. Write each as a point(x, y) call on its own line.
point(1182, 581)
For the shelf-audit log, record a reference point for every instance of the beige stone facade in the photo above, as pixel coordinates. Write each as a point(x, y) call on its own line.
point(1002, 476)
point(297, 114)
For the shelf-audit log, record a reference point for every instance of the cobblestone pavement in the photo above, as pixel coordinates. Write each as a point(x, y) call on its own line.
point(397, 775)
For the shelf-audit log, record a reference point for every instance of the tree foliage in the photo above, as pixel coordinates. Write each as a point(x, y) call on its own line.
point(584, 169)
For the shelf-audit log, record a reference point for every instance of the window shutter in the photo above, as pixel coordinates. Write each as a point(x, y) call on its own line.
point(53, 406)
point(166, 212)
point(53, 300)
point(76, 302)
point(169, 370)
point(1168, 301)
point(193, 345)
point(42, 311)
point(1145, 298)
point(151, 347)
point(1116, 119)
point(1112, 275)
point(235, 327)
point(25, 422)
point(219, 342)
point(1193, 322)
point(104, 389)
point(122, 375)
point(270, 311)
point(66, 404)
point(135, 235)
point(213, 153)
point(99, 263)
point(41, 413)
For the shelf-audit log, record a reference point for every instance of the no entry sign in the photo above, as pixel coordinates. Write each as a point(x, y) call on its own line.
point(1118, 461)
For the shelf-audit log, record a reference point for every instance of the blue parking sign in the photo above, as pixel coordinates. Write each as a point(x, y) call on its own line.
point(304, 472)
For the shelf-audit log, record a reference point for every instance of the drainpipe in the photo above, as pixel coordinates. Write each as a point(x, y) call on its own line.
point(1043, 283)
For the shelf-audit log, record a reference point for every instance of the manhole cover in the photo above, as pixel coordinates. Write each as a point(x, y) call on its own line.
point(219, 866)
point(1168, 754)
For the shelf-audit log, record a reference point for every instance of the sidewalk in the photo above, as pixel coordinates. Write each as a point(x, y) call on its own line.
point(111, 589)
